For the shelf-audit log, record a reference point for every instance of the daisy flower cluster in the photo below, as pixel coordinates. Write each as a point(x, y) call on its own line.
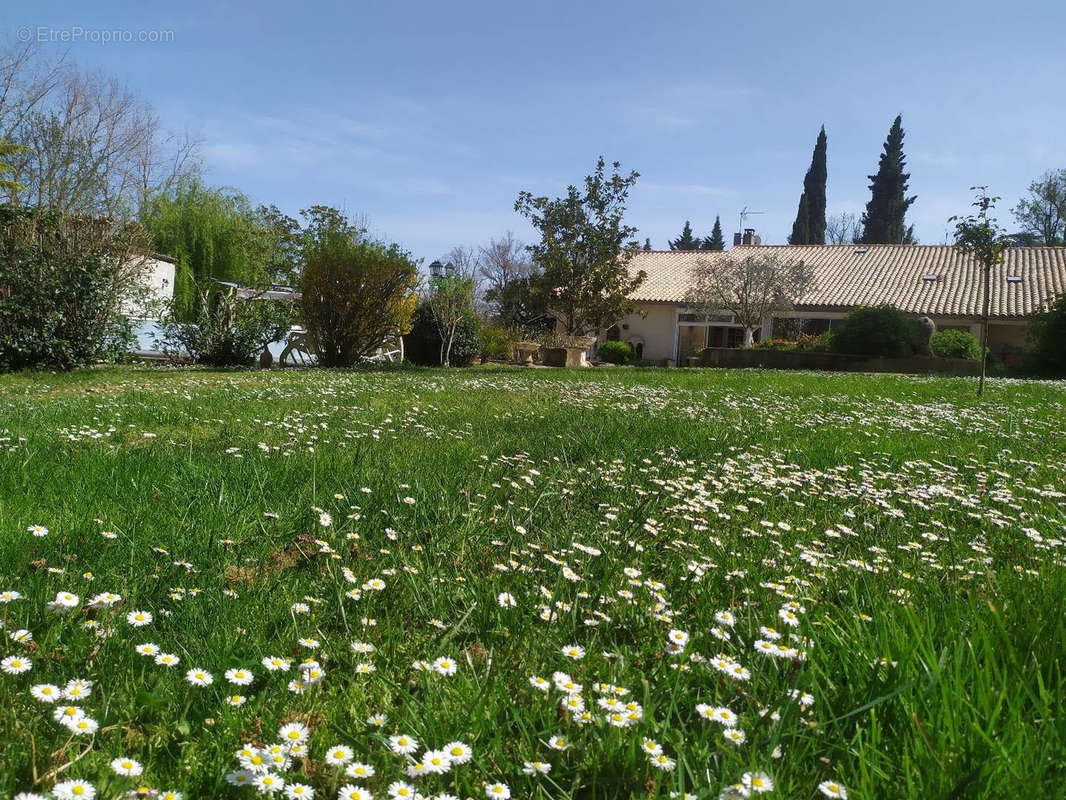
point(552, 619)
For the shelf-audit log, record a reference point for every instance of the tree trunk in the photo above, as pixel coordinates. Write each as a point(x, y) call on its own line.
point(984, 330)
point(448, 350)
point(749, 336)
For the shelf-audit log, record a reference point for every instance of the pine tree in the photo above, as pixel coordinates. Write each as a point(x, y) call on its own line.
point(647, 244)
point(809, 227)
point(686, 241)
point(884, 220)
point(715, 241)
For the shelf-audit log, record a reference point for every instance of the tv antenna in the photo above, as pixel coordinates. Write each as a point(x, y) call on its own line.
point(744, 214)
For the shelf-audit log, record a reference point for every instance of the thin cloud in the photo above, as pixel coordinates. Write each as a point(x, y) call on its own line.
point(687, 188)
point(703, 101)
point(233, 155)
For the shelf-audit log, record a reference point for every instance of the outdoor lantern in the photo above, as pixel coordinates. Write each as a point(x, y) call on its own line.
point(435, 269)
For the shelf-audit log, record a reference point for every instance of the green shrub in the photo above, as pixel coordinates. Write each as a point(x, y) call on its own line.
point(225, 331)
point(822, 343)
point(804, 343)
point(356, 295)
point(955, 344)
point(63, 283)
point(422, 344)
point(780, 344)
point(882, 331)
point(615, 352)
point(497, 342)
point(1047, 332)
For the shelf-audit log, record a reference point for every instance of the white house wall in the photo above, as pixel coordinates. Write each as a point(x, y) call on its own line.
point(159, 281)
point(655, 329)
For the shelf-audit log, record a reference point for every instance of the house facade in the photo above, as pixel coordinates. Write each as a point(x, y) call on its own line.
point(157, 281)
point(157, 277)
point(926, 280)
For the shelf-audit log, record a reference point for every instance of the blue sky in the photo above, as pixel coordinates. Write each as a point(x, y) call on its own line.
point(430, 117)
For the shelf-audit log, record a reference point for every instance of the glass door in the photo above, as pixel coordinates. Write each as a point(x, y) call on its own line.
point(691, 339)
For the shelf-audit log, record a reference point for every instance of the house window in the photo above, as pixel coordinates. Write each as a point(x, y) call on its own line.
point(726, 319)
point(814, 327)
point(721, 336)
point(691, 339)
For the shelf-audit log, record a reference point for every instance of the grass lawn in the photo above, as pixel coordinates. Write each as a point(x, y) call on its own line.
point(603, 583)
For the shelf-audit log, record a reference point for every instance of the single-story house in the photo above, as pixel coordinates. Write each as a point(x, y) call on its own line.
point(926, 280)
point(157, 276)
point(157, 280)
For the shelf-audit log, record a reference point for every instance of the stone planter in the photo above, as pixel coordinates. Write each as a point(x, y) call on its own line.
point(565, 356)
point(525, 352)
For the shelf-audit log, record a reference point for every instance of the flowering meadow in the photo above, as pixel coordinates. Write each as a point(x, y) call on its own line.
point(506, 584)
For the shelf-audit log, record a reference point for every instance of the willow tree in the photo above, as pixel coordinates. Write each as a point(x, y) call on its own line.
point(212, 233)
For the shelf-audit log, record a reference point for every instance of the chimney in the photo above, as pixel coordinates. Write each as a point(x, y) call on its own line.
point(749, 238)
point(738, 239)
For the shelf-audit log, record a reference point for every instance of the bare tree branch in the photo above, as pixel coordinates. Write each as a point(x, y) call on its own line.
point(26, 79)
point(502, 261)
point(1043, 212)
point(92, 146)
point(751, 288)
point(842, 228)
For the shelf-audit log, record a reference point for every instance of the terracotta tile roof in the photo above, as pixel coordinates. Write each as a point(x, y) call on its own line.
point(885, 273)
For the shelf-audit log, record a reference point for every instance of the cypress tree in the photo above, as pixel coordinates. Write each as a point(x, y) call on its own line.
point(801, 232)
point(817, 174)
point(715, 241)
point(686, 241)
point(884, 220)
point(809, 227)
